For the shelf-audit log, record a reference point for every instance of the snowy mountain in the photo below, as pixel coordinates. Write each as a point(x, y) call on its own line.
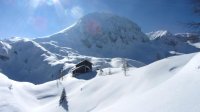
point(103, 35)
point(97, 30)
point(107, 35)
point(102, 38)
point(161, 74)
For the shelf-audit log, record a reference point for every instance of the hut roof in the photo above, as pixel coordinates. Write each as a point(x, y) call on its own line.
point(82, 62)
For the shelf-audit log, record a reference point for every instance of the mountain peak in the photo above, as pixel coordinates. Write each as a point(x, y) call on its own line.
point(159, 34)
point(110, 26)
point(97, 31)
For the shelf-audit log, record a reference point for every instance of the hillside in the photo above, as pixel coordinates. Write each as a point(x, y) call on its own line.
point(166, 85)
point(26, 60)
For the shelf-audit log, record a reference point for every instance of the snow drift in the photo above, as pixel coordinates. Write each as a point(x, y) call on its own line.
point(166, 85)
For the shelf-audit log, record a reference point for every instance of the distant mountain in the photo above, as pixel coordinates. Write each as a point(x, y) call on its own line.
point(159, 34)
point(181, 37)
point(179, 43)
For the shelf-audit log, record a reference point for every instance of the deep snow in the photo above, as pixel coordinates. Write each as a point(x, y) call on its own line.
point(167, 85)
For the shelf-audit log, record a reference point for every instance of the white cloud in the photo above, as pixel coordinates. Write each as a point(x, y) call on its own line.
point(77, 12)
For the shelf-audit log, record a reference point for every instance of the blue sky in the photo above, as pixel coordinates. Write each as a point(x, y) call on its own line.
point(37, 18)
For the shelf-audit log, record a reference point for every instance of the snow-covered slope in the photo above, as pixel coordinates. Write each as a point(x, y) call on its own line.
point(4, 48)
point(167, 85)
point(26, 60)
point(179, 93)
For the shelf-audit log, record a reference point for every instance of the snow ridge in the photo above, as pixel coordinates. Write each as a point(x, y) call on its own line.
point(159, 34)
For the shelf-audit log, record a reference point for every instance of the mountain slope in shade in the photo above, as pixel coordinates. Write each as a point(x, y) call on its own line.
point(174, 44)
point(181, 37)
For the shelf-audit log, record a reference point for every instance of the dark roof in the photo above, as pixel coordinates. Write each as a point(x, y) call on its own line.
point(84, 61)
point(82, 66)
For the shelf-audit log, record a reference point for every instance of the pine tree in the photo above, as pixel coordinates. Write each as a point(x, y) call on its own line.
point(62, 97)
point(124, 66)
point(63, 100)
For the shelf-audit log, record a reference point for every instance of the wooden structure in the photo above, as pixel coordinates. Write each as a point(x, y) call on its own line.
point(82, 67)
